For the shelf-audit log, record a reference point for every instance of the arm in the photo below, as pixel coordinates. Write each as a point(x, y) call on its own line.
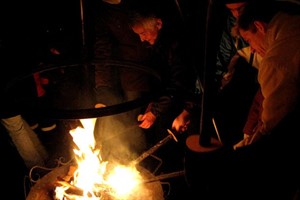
point(279, 82)
point(175, 85)
point(254, 116)
point(280, 91)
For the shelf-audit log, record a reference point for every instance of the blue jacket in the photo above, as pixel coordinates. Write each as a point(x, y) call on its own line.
point(231, 45)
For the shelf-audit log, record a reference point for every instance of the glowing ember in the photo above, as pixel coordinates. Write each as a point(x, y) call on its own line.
point(93, 179)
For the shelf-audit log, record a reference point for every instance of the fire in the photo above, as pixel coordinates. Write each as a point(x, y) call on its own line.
point(124, 180)
point(95, 179)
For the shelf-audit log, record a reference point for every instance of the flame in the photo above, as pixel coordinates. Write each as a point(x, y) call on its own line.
point(124, 180)
point(93, 178)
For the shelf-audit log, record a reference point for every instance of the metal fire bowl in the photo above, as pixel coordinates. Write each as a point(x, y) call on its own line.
point(43, 189)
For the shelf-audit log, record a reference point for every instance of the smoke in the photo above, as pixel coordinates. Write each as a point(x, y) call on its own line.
point(119, 138)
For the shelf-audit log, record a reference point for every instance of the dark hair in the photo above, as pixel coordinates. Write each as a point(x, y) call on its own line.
point(256, 11)
point(264, 11)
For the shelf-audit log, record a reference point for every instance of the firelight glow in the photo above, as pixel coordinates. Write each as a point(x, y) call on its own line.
point(92, 176)
point(124, 180)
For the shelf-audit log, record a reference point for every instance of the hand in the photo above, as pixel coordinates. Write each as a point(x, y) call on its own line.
point(181, 122)
point(147, 120)
point(243, 142)
point(248, 139)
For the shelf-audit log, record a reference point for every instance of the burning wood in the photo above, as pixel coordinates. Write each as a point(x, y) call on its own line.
point(149, 187)
point(93, 179)
point(66, 182)
point(75, 191)
point(72, 190)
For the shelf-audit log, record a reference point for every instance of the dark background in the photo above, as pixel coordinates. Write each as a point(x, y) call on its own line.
point(55, 21)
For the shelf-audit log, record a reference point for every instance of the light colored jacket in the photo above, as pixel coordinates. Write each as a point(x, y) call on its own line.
point(279, 70)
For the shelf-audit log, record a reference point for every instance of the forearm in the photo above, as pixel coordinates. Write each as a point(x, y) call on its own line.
point(254, 115)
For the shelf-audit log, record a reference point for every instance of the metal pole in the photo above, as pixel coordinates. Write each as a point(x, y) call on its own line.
point(155, 147)
point(82, 24)
point(165, 176)
point(205, 136)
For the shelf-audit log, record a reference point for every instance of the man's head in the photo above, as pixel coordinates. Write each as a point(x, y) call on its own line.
point(147, 26)
point(255, 36)
point(235, 6)
point(252, 24)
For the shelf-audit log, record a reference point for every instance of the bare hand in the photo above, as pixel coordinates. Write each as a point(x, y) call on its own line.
point(181, 122)
point(147, 120)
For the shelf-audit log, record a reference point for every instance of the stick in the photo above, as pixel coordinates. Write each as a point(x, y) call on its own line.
point(153, 149)
point(216, 129)
point(165, 176)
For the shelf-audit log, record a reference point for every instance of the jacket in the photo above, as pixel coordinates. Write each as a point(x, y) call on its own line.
point(115, 41)
point(171, 58)
point(279, 71)
point(231, 45)
point(253, 121)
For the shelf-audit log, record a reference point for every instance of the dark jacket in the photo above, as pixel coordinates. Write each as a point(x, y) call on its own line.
point(171, 57)
point(113, 37)
point(167, 62)
point(231, 45)
point(115, 41)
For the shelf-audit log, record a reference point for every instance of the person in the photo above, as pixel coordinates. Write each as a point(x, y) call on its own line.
point(254, 116)
point(272, 30)
point(175, 102)
point(24, 139)
point(41, 96)
point(171, 59)
point(236, 77)
point(114, 42)
point(53, 50)
point(232, 47)
point(261, 38)
point(120, 76)
point(253, 119)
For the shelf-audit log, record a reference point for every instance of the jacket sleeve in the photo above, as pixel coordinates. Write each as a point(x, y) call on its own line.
point(280, 89)
point(179, 80)
point(254, 115)
point(226, 49)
